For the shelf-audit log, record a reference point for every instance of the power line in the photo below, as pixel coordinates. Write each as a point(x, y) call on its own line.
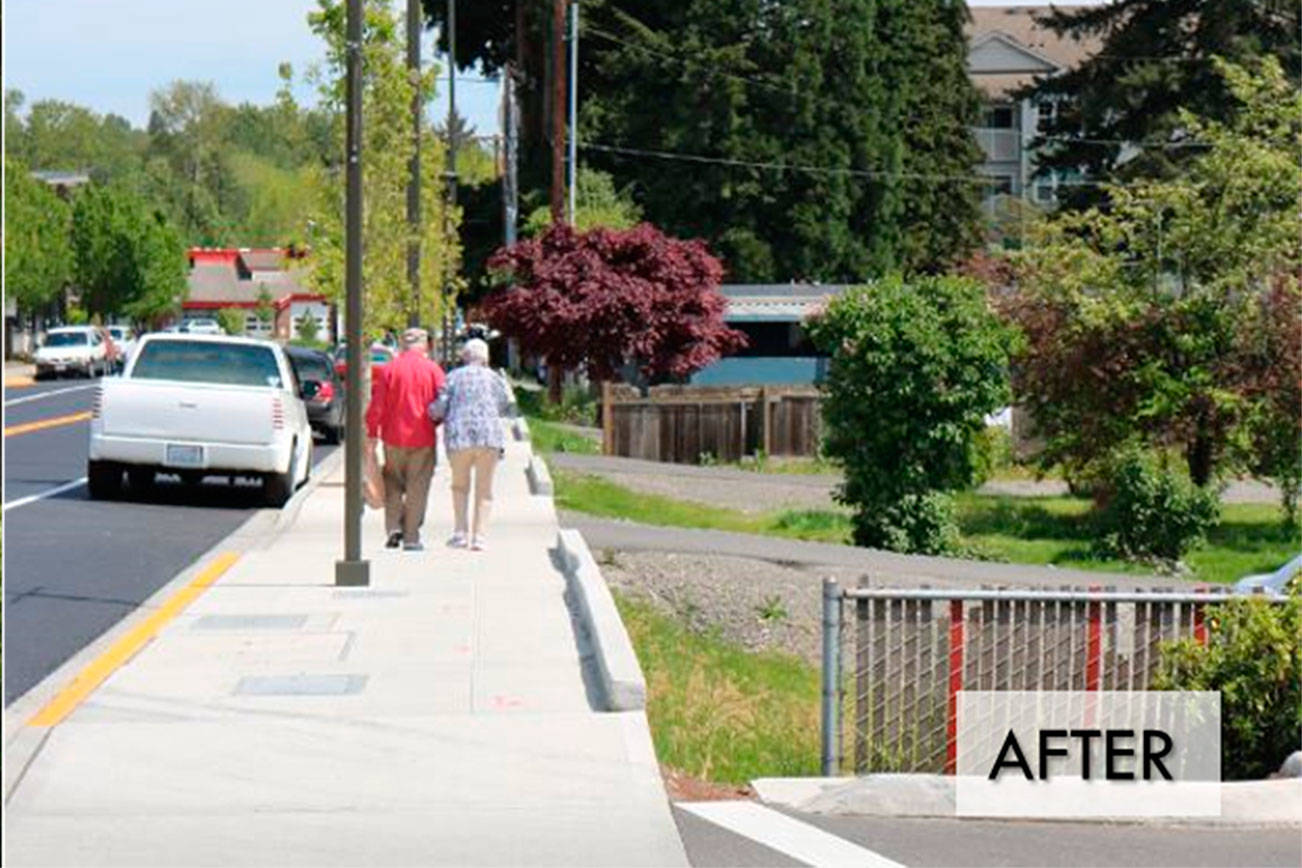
point(835, 170)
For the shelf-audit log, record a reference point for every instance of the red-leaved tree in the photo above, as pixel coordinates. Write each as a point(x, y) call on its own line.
point(612, 300)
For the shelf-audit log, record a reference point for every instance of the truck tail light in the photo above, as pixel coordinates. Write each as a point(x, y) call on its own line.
point(277, 414)
point(96, 402)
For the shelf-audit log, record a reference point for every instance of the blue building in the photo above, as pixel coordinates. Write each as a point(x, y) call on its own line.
point(779, 351)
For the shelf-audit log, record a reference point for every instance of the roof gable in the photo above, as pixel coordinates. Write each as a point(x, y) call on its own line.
point(997, 52)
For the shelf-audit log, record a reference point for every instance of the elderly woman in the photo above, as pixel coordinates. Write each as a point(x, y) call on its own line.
point(472, 403)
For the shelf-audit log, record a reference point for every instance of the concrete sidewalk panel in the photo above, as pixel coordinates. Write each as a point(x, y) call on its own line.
point(474, 732)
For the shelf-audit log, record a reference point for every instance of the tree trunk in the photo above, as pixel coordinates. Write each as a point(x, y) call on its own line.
point(555, 382)
point(1198, 456)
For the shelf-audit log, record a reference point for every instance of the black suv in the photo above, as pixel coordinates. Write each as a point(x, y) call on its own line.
point(321, 390)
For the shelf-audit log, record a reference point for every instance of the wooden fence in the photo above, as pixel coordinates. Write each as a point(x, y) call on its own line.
point(691, 424)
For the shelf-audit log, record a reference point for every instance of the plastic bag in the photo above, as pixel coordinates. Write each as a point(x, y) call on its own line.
point(372, 478)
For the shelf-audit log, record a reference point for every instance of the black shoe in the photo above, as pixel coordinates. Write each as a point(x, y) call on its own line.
point(395, 540)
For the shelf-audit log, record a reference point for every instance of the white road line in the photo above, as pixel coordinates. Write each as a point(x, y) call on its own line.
point(777, 831)
point(23, 501)
point(49, 394)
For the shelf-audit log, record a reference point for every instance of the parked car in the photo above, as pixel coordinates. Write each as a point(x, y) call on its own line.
point(1271, 583)
point(72, 350)
point(202, 326)
point(125, 339)
point(322, 391)
point(201, 405)
point(380, 355)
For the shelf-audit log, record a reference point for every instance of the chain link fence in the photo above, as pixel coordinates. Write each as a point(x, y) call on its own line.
point(915, 649)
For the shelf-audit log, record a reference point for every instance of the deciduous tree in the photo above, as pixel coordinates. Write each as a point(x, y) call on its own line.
point(1169, 318)
point(38, 253)
point(386, 149)
point(612, 300)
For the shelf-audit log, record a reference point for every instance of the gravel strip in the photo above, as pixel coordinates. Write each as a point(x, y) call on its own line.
point(756, 604)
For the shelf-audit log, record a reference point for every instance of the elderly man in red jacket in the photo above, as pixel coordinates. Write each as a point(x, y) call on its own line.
point(398, 415)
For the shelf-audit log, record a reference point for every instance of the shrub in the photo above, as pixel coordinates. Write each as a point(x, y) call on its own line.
point(1254, 658)
point(916, 367)
point(231, 320)
point(993, 452)
point(1152, 513)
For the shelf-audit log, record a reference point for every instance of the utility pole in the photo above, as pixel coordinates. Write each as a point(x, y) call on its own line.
point(558, 112)
point(511, 132)
point(352, 570)
point(451, 176)
point(574, 104)
point(413, 182)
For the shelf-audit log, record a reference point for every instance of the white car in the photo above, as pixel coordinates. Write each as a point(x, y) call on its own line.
point(126, 343)
point(72, 350)
point(202, 327)
point(201, 405)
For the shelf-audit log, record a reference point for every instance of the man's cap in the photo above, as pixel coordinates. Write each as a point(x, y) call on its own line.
point(413, 336)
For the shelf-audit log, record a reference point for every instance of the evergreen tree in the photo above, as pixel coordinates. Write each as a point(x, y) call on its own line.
point(825, 125)
point(1157, 58)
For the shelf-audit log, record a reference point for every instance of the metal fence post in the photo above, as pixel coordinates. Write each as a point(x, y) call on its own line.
point(831, 673)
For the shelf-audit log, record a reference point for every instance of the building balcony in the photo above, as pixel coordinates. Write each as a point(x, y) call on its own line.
point(1000, 145)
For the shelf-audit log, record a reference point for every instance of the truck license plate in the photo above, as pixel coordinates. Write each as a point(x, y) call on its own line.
point(184, 455)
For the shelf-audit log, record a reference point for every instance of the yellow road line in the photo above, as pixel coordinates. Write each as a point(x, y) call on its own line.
point(90, 678)
point(29, 427)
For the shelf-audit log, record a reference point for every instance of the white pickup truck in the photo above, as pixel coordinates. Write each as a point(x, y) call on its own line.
point(200, 405)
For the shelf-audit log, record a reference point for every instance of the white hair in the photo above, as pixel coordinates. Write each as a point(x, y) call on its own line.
point(474, 351)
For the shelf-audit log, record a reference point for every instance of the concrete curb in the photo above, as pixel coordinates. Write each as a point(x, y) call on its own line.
point(621, 676)
point(520, 429)
point(1243, 803)
point(540, 478)
point(288, 514)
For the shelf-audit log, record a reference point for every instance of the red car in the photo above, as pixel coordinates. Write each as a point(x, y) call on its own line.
point(380, 355)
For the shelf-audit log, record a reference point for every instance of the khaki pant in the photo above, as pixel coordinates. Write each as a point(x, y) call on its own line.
point(407, 474)
point(483, 461)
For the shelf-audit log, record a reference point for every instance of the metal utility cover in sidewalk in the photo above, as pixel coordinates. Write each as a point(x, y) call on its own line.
point(300, 685)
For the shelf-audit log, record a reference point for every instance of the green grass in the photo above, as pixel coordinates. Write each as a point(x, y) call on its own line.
point(549, 437)
point(596, 496)
point(799, 466)
point(1251, 538)
point(719, 712)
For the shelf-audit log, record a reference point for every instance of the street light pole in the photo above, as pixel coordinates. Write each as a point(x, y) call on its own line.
point(352, 570)
point(413, 182)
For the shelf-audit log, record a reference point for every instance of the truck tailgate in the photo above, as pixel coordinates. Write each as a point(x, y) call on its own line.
point(169, 410)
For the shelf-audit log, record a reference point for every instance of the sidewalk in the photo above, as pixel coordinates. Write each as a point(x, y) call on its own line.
point(19, 374)
point(444, 715)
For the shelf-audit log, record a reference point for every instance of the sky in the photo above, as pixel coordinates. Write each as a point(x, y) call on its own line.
point(109, 54)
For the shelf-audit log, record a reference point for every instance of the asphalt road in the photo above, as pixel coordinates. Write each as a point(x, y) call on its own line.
point(924, 842)
point(74, 567)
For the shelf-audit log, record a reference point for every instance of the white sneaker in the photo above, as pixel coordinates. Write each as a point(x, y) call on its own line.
point(457, 540)
point(478, 543)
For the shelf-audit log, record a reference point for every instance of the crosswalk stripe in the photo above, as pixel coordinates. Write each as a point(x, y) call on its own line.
point(787, 835)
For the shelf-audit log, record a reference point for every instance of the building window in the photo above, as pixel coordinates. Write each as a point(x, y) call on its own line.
point(999, 117)
point(1047, 112)
point(1000, 185)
